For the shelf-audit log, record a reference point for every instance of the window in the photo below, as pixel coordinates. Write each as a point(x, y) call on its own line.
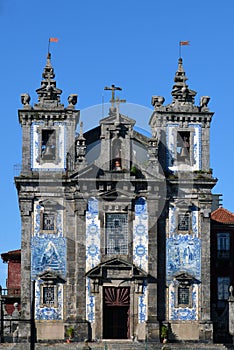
point(183, 295)
point(183, 147)
point(183, 222)
point(183, 290)
point(116, 233)
point(48, 221)
point(223, 288)
point(223, 245)
point(116, 155)
point(49, 295)
point(48, 143)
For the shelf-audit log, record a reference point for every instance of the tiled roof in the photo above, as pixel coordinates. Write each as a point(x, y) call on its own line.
point(223, 216)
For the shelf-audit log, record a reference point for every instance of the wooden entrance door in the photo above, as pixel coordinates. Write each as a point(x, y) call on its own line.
point(116, 306)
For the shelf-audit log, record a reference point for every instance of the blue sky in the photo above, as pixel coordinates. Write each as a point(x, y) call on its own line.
point(130, 43)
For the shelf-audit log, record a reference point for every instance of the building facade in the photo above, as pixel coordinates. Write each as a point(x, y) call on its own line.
point(116, 224)
point(222, 257)
point(11, 294)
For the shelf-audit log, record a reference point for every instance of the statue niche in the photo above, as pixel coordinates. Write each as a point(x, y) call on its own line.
point(183, 147)
point(116, 160)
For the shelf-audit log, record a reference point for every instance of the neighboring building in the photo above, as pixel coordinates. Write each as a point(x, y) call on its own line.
point(222, 270)
point(116, 225)
point(11, 294)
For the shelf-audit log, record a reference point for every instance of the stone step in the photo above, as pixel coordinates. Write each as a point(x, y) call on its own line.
point(117, 345)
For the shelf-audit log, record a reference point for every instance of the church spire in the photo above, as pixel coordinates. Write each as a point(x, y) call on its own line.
point(48, 94)
point(180, 90)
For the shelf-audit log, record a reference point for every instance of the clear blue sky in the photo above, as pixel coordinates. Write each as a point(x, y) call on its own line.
point(130, 43)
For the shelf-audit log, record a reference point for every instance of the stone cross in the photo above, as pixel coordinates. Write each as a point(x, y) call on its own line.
point(113, 88)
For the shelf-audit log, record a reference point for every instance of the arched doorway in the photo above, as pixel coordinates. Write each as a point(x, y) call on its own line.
point(116, 311)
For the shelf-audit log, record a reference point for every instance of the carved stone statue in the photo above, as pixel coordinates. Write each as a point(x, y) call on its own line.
point(204, 100)
point(157, 101)
point(72, 100)
point(25, 99)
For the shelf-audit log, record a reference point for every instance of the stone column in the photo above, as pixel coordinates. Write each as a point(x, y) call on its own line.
point(26, 148)
point(24, 325)
point(205, 323)
point(152, 322)
point(83, 327)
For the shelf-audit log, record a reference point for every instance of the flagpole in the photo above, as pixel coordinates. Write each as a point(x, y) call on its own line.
point(179, 50)
point(49, 46)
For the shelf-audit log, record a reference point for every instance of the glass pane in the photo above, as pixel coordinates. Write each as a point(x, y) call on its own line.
point(223, 288)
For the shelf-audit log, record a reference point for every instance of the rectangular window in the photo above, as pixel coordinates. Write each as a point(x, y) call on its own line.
point(223, 288)
point(48, 222)
point(116, 233)
point(48, 144)
point(223, 245)
point(183, 296)
point(183, 222)
point(48, 296)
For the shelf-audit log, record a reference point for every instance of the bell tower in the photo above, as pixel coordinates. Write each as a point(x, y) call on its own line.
point(48, 136)
point(183, 131)
point(48, 128)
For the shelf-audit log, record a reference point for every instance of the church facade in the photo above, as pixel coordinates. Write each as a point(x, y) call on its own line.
point(115, 224)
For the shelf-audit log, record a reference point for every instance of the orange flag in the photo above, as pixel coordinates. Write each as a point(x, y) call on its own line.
point(53, 40)
point(182, 43)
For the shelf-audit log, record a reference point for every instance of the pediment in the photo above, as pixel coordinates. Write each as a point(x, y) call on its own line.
point(89, 172)
point(50, 204)
point(116, 268)
point(117, 193)
point(186, 277)
point(123, 119)
point(52, 276)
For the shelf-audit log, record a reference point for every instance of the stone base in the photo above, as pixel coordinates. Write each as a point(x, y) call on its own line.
point(82, 331)
point(52, 330)
point(153, 331)
point(184, 331)
point(24, 333)
point(141, 331)
point(206, 331)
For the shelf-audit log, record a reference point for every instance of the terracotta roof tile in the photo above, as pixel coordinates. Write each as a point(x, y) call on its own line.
point(223, 216)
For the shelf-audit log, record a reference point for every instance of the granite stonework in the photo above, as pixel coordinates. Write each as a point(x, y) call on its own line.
point(115, 224)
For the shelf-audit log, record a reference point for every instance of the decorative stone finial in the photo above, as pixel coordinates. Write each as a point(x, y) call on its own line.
point(204, 100)
point(48, 94)
point(157, 101)
point(180, 90)
point(25, 99)
point(72, 100)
